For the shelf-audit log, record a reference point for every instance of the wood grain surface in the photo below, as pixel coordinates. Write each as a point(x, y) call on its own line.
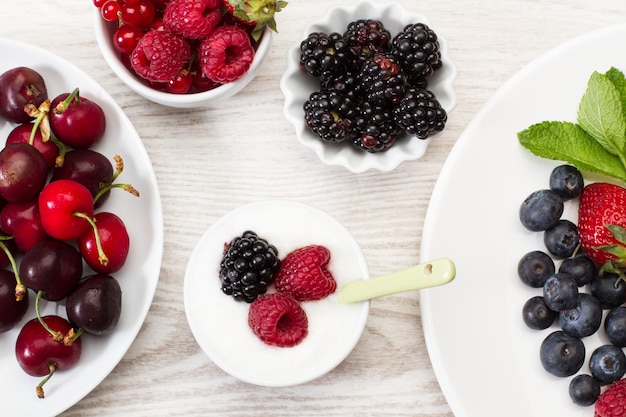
point(211, 160)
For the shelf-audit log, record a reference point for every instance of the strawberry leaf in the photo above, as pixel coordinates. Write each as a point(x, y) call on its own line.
point(617, 250)
point(618, 232)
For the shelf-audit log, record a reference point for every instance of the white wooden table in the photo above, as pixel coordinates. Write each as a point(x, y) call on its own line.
point(211, 160)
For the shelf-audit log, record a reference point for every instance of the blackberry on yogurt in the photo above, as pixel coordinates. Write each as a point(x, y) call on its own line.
point(248, 266)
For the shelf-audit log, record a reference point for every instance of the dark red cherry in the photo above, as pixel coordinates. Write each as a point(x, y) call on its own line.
point(18, 87)
point(40, 353)
point(89, 168)
point(22, 133)
point(22, 221)
point(11, 310)
point(77, 121)
point(95, 306)
point(53, 267)
point(23, 173)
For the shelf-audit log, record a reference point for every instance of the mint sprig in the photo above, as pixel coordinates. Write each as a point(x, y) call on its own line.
point(597, 142)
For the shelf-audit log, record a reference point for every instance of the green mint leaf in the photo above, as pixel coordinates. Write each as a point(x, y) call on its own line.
point(619, 81)
point(600, 114)
point(565, 141)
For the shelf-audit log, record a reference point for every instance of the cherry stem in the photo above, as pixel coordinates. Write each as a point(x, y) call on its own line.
point(41, 123)
point(60, 160)
point(39, 389)
point(57, 336)
point(20, 288)
point(63, 105)
point(104, 260)
point(119, 168)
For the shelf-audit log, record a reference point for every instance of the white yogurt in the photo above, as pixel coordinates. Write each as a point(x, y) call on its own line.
point(220, 324)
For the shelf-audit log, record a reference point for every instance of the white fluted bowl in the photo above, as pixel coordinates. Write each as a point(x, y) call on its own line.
point(296, 86)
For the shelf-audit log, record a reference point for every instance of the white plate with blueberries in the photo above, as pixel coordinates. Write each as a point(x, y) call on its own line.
point(487, 360)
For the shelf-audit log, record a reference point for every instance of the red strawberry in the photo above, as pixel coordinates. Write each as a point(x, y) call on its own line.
point(303, 274)
point(278, 320)
point(612, 402)
point(258, 13)
point(226, 54)
point(601, 223)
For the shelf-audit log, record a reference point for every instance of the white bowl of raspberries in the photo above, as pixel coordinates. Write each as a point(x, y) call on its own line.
point(369, 86)
point(185, 53)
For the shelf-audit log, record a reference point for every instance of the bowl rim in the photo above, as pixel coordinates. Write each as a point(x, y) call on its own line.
point(111, 56)
point(357, 161)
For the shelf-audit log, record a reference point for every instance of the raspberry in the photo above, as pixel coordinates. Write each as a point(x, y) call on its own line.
point(194, 19)
point(303, 274)
point(226, 54)
point(612, 402)
point(278, 320)
point(160, 55)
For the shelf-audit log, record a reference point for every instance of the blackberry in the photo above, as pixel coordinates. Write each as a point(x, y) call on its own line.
point(330, 116)
point(322, 54)
point(417, 48)
point(420, 113)
point(377, 129)
point(382, 80)
point(249, 264)
point(366, 37)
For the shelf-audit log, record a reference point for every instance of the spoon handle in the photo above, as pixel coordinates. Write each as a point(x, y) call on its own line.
point(425, 275)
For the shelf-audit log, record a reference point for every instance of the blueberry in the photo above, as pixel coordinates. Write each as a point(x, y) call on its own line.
point(566, 181)
point(581, 268)
point(537, 315)
point(560, 292)
point(541, 210)
point(615, 326)
point(561, 240)
point(561, 354)
point(609, 289)
point(534, 268)
point(607, 363)
point(584, 390)
point(584, 319)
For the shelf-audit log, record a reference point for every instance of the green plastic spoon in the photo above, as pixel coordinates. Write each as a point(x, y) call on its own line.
point(425, 275)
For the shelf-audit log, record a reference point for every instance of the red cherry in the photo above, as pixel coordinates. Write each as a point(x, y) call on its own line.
point(23, 222)
point(99, 3)
point(29, 133)
point(110, 10)
point(114, 241)
point(180, 84)
point(126, 37)
point(76, 121)
point(140, 14)
point(40, 353)
point(66, 209)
